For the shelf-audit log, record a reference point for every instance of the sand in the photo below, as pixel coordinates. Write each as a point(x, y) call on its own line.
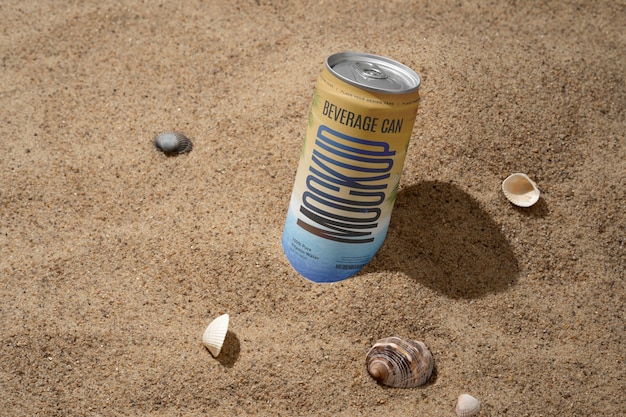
point(115, 257)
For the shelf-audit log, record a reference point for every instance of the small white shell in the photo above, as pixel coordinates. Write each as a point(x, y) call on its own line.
point(215, 333)
point(520, 190)
point(467, 406)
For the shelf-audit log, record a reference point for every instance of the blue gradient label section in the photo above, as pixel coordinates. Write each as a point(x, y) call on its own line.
point(322, 260)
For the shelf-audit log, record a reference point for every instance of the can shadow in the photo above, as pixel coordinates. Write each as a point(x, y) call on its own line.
point(440, 236)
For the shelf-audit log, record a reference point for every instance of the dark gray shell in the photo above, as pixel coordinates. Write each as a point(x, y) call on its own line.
point(400, 363)
point(173, 143)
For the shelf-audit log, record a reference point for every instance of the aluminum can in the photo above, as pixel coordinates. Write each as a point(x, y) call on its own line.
point(359, 127)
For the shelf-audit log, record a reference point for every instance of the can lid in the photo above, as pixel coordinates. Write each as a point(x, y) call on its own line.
point(373, 72)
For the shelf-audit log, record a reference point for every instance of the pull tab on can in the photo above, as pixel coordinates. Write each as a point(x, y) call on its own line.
point(370, 70)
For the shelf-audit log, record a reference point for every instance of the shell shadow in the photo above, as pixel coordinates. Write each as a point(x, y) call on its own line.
point(230, 350)
point(539, 210)
point(433, 377)
point(440, 236)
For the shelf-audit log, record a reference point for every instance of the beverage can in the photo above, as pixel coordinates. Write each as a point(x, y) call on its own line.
point(362, 115)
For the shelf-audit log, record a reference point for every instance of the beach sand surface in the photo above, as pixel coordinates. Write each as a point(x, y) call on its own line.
point(115, 257)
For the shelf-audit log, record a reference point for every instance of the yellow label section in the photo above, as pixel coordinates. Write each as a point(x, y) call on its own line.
point(360, 136)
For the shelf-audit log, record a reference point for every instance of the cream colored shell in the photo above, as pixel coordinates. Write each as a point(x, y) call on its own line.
point(520, 190)
point(215, 333)
point(400, 363)
point(467, 406)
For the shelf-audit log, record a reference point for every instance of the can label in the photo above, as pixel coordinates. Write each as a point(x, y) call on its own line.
point(347, 178)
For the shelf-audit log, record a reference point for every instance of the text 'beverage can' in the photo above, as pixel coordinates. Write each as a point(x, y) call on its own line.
point(361, 118)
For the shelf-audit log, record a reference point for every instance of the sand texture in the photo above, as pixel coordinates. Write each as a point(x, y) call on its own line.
point(115, 257)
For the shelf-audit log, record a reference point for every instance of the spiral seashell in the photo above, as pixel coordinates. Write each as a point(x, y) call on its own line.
point(520, 190)
point(467, 406)
point(400, 363)
point(215, 333)
point(173, 143)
